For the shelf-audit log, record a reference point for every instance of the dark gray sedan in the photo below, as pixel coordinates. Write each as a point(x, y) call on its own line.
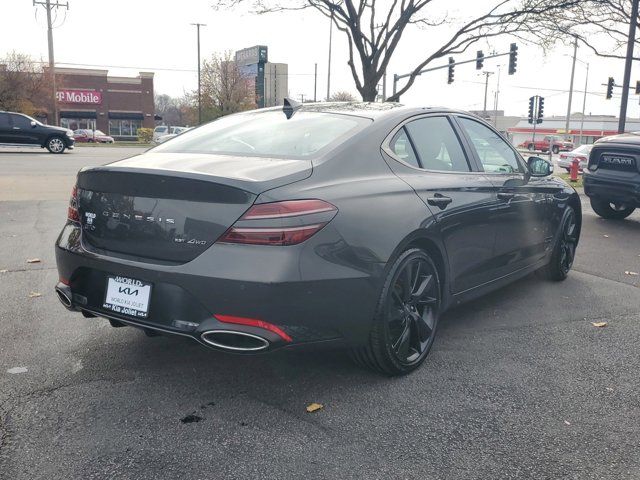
point(347, 224)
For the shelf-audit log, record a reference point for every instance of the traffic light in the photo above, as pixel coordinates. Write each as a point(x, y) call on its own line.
point(540, 109)
point(610, 84)
point(513, 58)
point(479, 60)
point(451, 67)
point(532, 106)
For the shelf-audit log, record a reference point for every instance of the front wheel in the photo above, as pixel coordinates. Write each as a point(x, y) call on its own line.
point(611, 210)
point(531, 147)
point(555, 150)
point(56, 145)
point(406, 317)
point(564, 251)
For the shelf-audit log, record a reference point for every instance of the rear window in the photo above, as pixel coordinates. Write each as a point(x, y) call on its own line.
point(269, 134)
point(160, 129)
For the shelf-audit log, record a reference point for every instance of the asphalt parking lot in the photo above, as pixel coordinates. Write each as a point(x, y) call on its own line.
point(519, 384)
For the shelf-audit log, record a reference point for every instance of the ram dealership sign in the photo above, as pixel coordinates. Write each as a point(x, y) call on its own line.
point(80, 96)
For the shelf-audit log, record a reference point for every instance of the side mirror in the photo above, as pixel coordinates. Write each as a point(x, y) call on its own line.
point(33, 124)
point(539, 167)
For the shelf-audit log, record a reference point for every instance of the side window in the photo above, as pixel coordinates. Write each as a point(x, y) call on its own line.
point(437, 145)
point(20, 121)
point(401, 146)
point(4, 120)
point(494, 152)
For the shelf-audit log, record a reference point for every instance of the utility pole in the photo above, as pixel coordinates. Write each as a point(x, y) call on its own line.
point(486, 87)
point(329, 65)
point(573, 71)
point(315, 83)
point(584, 103)
point(495, 105)
point(48, 5)
point(198, 25)
point(627, 66)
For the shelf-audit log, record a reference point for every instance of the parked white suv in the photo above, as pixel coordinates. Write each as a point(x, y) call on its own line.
point(162, 130)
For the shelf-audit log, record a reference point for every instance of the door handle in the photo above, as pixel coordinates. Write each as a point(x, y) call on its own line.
point(505, 195)
point(439, 200)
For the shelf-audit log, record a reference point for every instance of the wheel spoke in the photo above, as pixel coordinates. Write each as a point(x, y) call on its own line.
point(424, 328)
point(401, 347)
point(422, 289)
point(405, 281)
point(416, 278)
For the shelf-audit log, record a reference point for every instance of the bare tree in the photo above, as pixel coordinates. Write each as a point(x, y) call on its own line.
point(600, 25)
point(342, 96)
point(225, 89)
point(23, 85)
point(374, 29)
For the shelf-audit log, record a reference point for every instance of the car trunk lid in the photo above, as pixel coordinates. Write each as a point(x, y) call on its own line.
point(169, 208)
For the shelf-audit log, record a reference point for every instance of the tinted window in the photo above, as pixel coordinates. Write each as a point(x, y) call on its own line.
point(268, 134)
point(21, 121)
point(401, 146)
point(437, 145)
point(495, 154)
point(4, 120)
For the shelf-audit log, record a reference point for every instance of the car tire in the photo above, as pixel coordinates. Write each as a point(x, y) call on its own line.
point(406, 318)
point(56, 145)
point(611, 210)
point(555, 150)
point(564, 250)
point(531, 147)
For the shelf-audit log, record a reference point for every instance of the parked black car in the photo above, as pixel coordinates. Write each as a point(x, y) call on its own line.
point(612, 177)
point(19, 129)
point(352, 224)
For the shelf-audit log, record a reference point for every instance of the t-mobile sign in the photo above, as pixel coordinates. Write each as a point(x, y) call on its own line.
point(79, 96)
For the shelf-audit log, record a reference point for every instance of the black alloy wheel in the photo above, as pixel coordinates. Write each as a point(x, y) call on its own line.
point(555, 149)
point(407, 316)
point(611, 210)
point(564, 252)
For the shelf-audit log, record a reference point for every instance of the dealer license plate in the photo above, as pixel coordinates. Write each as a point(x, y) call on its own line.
point(127, 296)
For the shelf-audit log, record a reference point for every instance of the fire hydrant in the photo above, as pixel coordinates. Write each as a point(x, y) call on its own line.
point(575, 168)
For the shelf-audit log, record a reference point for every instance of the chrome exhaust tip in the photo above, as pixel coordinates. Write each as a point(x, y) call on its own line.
point(234, 341)
point(64, 295)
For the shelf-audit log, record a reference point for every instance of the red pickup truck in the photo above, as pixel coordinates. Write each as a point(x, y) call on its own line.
point(546, 143)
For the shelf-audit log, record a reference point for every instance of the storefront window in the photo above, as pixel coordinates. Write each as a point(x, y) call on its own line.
point(78, 123)
point(124, 128)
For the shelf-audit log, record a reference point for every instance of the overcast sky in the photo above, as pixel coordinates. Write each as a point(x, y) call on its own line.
point(155, 35)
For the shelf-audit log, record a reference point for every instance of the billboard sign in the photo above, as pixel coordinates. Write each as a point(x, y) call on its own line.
point(87, 97)
point(252, 55)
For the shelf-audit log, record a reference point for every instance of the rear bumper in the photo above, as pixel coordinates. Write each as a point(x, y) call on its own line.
point(292, 288)
point(623, 188)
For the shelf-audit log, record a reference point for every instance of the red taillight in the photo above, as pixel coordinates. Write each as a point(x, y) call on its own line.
point(252, 322)
point(72, 211)
point(280, 223)
point(582, 159)
point(290, 208)
point(563, 155)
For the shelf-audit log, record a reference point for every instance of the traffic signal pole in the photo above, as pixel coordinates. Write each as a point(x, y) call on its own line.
point(511, 53)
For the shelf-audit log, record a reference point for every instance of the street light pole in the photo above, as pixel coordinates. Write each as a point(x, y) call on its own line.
point(573, 71)
point(584, 103)
point(198, 25)
point(627, 66)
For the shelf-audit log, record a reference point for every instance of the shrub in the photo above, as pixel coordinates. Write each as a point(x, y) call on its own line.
point(145, 135)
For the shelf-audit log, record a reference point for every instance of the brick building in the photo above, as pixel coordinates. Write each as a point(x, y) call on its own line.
point(92, 99)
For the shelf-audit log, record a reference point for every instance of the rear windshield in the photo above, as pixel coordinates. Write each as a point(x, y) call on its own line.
point(268, 134)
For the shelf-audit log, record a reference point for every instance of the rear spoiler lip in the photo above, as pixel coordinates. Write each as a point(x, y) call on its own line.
point(249, 186)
